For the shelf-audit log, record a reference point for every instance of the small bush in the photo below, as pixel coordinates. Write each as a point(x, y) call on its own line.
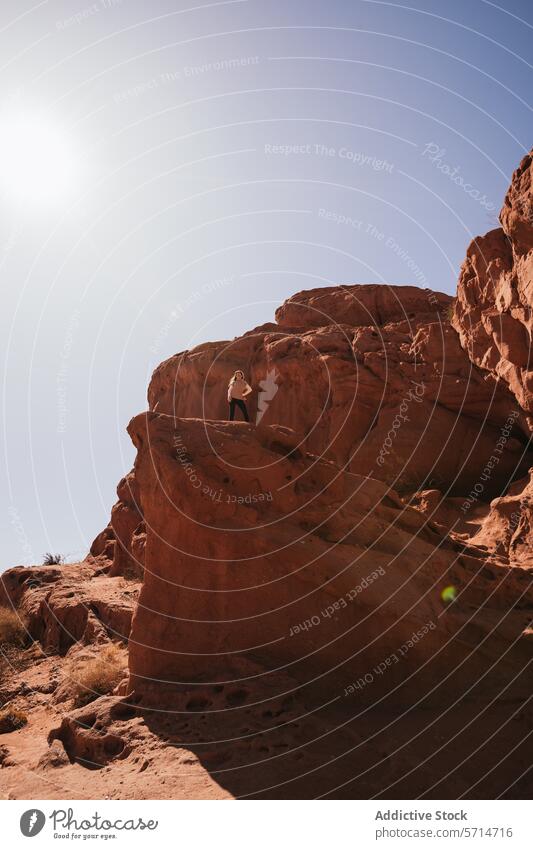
point(97, 676)
point(449, 310)
point(11, 719)
point(12, 628)
point(52, 559)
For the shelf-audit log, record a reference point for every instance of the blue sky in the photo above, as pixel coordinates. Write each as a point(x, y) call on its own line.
point(221, 156)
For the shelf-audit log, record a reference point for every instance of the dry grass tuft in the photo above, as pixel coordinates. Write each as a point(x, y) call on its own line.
point(99, 675)
point(450, 310)
point(11, 719)
point(50, 559)
point(12, 628)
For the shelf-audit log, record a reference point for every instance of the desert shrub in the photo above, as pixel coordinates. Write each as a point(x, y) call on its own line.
point(449, 310)
point(11, 719)
point(97, 676)
point(52, 559)
point(12, 628)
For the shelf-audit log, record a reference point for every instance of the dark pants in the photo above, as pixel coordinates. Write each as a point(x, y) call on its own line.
point(237, 402)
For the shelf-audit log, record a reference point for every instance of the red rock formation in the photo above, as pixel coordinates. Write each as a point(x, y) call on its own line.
point(345, 388)
point(120, 546)
point(258, 550)
point(376, 395)
point(65, 604)
point(492, 313)
point(493, 317)
point(365, 305)
point(294, 563)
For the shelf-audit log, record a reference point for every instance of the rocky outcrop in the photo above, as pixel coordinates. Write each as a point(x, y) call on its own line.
point(256, 549)
point(367, 392)
point(347, 389)
point(88, 742)
point(493, 310)
point(62, 605)
point(493, 317)
point(365, 305)
point(378, 443)
point(119, 548)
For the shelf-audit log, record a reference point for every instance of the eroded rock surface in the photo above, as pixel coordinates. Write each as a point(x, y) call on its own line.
point(493, 310)
point(256, 549)
point(347, 389)
point(68, 603)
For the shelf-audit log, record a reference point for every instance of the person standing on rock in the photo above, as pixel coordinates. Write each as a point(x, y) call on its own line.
point(238, 389)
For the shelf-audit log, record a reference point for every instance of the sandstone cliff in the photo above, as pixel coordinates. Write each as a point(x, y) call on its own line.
point(360, 551)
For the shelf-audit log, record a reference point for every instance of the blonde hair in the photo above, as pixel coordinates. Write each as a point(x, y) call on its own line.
point(234, 378)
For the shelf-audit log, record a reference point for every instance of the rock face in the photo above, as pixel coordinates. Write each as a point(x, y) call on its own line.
point(493, 317)
point(347, 390)
point(366, 305)
point(258, 550)
point(493, 310)
point(122, 542)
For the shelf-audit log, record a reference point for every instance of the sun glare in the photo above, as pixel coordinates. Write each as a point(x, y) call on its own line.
point(36, 162)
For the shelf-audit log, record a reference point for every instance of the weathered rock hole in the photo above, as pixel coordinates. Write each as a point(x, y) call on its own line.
point(113, 745)
point(87, 721)
point(123, 711)
point(197, 703)
point(237, 697)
